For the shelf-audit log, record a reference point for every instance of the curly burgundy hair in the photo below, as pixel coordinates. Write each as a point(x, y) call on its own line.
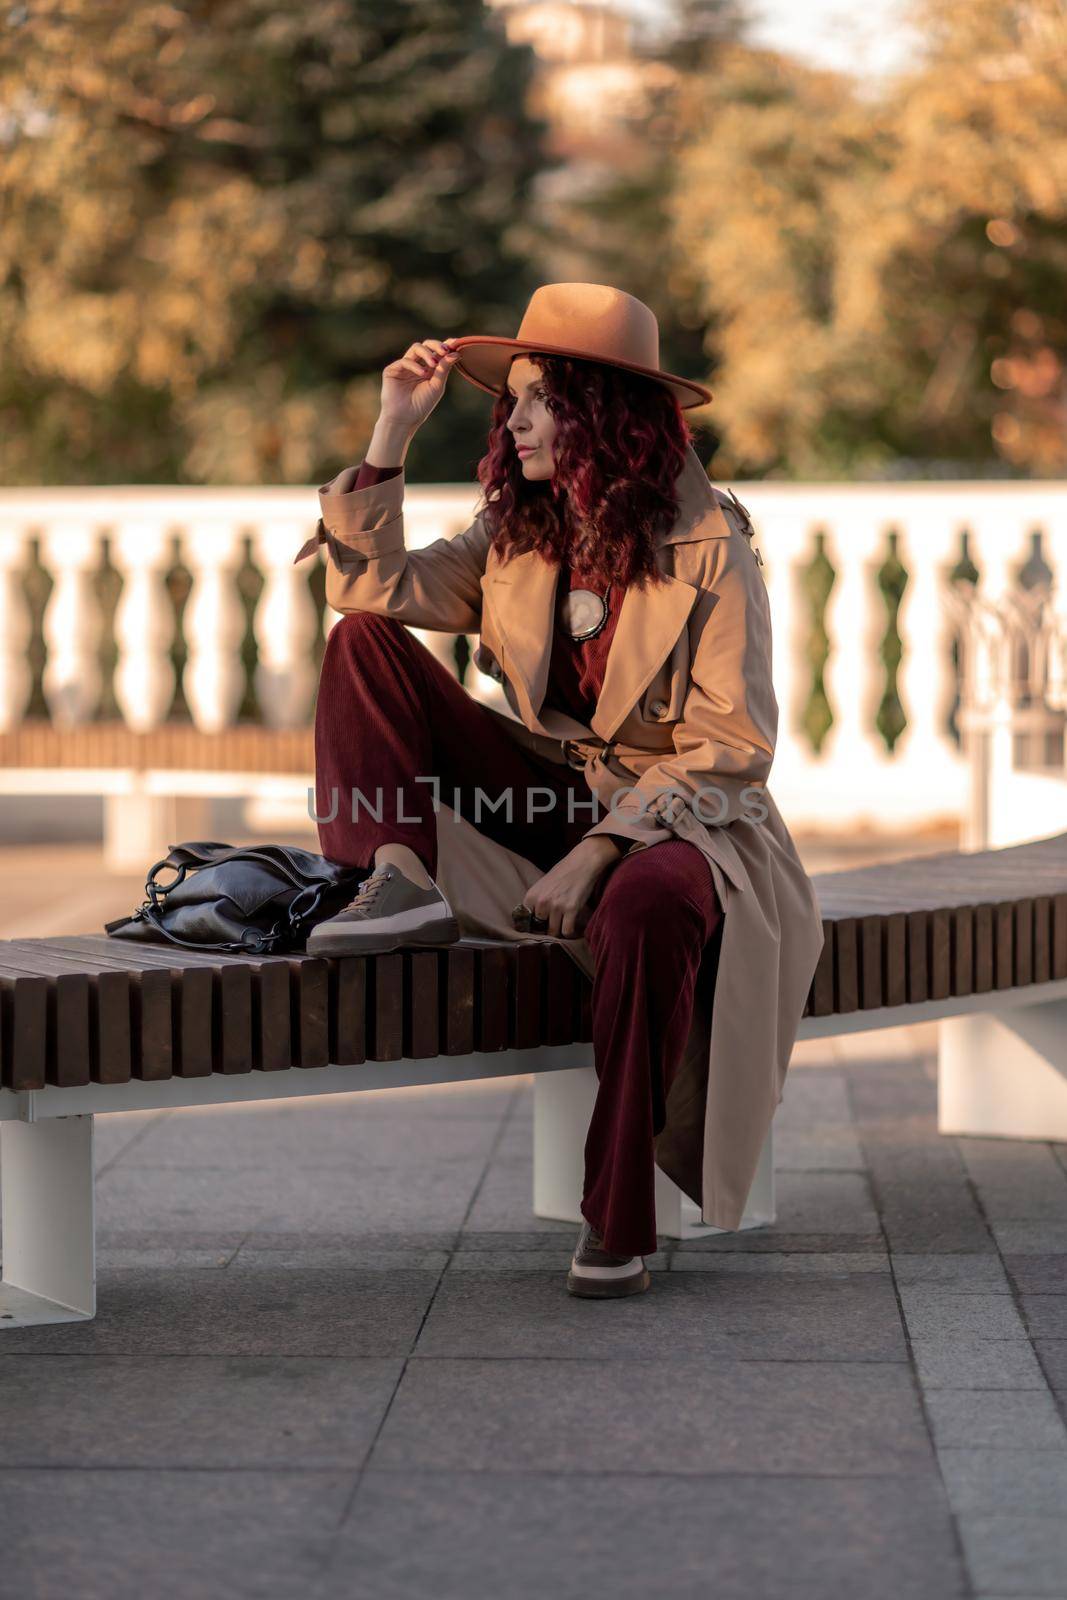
point(620, 444)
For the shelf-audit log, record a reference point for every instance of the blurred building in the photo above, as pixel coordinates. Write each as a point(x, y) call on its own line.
point(596, 87)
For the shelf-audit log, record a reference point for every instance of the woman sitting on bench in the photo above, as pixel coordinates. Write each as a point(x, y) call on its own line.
point(593, 498)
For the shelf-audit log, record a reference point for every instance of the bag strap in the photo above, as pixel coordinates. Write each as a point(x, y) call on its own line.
point(266, 941)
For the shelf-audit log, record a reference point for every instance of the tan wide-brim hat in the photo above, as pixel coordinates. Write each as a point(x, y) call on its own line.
point(587, 321)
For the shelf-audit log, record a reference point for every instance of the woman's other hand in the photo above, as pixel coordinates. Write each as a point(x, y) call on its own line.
point(562, 896)
point(412, 385)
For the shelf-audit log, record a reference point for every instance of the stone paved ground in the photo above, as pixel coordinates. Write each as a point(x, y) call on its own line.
point(335, 1356)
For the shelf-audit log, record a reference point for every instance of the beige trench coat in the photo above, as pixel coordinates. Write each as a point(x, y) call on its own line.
point(686, 709)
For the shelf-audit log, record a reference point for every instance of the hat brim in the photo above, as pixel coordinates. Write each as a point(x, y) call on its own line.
point(488, 358)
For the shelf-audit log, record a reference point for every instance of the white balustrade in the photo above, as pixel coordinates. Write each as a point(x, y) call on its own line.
point(285, 626)
point(144, 620)
point(929, 548)
point(72, 626)
point(853, 780)
point(214, 622)
point(16, 679)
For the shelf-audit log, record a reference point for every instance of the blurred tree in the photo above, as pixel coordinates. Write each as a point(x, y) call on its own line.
point(883, 277)
point(610, 221)
point(222, 218)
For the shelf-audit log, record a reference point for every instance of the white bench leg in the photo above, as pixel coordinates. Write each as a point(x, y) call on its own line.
point(563, 1105)
point(1004, 1073)
point(46, 1184)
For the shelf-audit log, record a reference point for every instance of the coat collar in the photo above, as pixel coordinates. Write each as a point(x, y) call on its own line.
point(521, 597)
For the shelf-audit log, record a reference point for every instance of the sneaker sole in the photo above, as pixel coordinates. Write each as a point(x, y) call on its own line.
point(444, 931)
point(609, 1288)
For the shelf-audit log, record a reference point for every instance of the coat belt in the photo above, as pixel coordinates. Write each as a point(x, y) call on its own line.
point(577, 752)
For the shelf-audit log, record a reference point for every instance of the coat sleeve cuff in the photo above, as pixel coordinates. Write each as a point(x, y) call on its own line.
point(367, 521)
point(627, 824)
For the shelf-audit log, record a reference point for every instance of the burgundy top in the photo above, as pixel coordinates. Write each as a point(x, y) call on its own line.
point(576, 668)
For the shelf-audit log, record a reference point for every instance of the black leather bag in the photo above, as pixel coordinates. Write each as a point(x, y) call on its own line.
point(252, 900)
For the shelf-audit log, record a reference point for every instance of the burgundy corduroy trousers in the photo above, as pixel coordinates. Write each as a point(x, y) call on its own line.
point(389, 713)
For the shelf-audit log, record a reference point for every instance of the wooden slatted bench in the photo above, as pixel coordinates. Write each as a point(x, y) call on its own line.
point(91, 1025)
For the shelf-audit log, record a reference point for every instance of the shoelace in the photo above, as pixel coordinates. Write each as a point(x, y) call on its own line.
point(368, 890)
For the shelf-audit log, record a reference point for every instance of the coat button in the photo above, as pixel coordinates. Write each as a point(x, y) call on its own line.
point(658, 708)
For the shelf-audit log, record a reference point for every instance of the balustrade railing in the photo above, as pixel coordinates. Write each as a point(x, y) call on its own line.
point(163, 607)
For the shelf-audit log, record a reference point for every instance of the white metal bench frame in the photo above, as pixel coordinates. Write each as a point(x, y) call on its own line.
point(1002, 1072)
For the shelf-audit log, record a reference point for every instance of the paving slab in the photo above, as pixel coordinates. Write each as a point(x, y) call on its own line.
point(1046, 1315)
point(195, 1313)
point(280, 1197)
point(796, 1263)
point(1019, 1180)
point(1052, 1353)
point(1008, 1552)
point(931, 1216)
point(1022, 1419)
point(721, 1316)
point(946, 1361)
point(470, 1536)
point(504, 1202)
point(194, 1412)
point(166, 1247)
point(552, 1261)
point(228, 1534)
point(1030, 1238)
point(317, 1136)
point(1020, 1482)
point(778, 1240)
point(1038, 1274)
point(679, 1416)
point(964, 1272)
point(937, 1311)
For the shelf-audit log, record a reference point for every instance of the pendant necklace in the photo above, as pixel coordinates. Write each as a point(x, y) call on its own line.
point(583, 613)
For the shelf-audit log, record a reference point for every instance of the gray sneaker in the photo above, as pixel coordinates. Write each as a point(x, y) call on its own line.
point(388, 912)
point(598, 1275)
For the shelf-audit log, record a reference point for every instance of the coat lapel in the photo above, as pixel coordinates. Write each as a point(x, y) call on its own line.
point(521, 598)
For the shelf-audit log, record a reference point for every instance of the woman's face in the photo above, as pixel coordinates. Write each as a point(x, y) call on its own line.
point(532, 427)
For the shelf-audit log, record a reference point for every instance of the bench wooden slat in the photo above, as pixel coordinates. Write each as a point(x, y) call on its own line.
point(982, 976)
point(1023, 942)
point(68, 1063)
point(423, 1012)
point(387, 1019)
point(962, 960)
point(820, 1001)
point(1004, 944)
point(195, 1000)
point(23, 1029)
point(348, 1010)
point(1059, 936)
point(846, 965)
point(1042, 937)
point(895, 960)
point(526, 1010)
point(151, 1026)
point(938, 953)
point(561, 996)
point(493, 971)
point(871, 958)
point(309, 1005)
point(459, 1002)
point(917, 933)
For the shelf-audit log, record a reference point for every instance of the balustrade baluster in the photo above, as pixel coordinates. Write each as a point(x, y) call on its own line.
point(214, 622)
point(16, 677)
point(285, 624)
point(144, 620)
point(72, 623)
